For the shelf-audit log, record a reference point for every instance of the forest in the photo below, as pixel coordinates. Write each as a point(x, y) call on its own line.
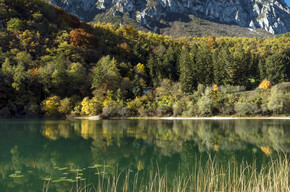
point(54, 65)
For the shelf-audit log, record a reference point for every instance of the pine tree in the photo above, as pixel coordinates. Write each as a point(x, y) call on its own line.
point(204, 66)
point(136, 87)
point(218, 67)
point(241, 64)
point(277, 68)
point(187, 72)
point(226, 65)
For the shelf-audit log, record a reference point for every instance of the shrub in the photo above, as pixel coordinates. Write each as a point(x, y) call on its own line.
point(178, 108)
point(111, 108)
point(65, 106)
point(205, 104)
point(134, 105)
point(91, 106)
point(50, 105)
point(77, 110)
point(243, 109)
point(191, 109)
point(164, 110)
point(265, 84)
point(277, 101)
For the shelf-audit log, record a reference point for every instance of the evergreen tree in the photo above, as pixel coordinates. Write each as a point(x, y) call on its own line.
point(218, 70)
point(187, 72)
point(60, 76)
point(227, 66)
point(241, 66)
point(204, 66)
point(170, 63)
point(136, 87)
point(152, 66)
point(277, 68)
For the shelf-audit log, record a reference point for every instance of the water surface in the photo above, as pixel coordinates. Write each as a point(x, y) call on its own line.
point(34, 152)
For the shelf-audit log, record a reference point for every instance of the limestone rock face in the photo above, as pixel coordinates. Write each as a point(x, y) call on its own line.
point(270, 15)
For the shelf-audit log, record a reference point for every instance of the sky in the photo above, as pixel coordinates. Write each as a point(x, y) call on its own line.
point(288, 2)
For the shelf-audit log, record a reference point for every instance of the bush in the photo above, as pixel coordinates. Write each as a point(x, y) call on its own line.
point(65, 106)
point(277, 101)
point(77, 110)
point(134, 105)
point(91, 106)
point(205, 104)
point(164, 110)
point(243, 109)
point(265, 84)
point(191, 109)
point(114, 109)
point(50, 106)
point(178, 108)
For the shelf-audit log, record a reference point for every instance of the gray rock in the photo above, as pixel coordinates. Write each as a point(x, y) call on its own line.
point(270, 15)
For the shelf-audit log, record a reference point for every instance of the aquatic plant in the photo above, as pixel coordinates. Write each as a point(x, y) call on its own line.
point(213, 176)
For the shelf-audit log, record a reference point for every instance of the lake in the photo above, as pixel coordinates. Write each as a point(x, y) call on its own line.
point(144, 155)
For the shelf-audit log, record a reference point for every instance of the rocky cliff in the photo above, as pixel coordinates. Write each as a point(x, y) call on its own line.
point(270, 15)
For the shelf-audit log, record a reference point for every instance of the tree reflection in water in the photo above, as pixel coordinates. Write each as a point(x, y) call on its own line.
point(38, 149)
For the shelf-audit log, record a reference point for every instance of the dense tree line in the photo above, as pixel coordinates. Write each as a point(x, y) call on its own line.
point(52, 63)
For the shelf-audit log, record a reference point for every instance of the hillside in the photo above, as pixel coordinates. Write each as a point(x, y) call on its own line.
point(52, 64)
point(179, 25)
point(270, 15)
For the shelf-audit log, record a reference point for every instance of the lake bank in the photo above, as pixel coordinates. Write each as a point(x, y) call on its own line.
point(180, 118)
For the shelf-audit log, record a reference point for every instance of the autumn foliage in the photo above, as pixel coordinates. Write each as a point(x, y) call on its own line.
point(80, 38)
point(211, 42)
point(267, 150)
point(50, 105)
point(71, 20)
point(265, 84)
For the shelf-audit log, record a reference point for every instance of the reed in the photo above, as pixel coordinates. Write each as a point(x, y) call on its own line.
point(213, 176)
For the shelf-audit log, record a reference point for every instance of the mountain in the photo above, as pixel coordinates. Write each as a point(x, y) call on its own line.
point(271, 15)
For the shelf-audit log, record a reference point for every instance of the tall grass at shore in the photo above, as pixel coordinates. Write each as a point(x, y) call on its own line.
point(213, 176)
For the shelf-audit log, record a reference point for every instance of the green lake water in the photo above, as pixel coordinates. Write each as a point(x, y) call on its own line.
point(59, 155)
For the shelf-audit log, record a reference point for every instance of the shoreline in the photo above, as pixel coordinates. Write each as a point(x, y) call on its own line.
point(95, 118)
point(179, 118)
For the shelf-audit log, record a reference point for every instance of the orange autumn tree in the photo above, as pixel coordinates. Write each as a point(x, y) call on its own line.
point(265, 84)
point(68, 18)
point(80, 38)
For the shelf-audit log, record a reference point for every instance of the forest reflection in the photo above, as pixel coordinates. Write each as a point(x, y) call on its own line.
point(170, 135)
point(32, 150)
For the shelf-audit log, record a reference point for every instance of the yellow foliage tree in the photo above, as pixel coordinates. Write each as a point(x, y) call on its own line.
point(50, 105)
point(265, 84)
point(141, 69)
point(91, 106)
